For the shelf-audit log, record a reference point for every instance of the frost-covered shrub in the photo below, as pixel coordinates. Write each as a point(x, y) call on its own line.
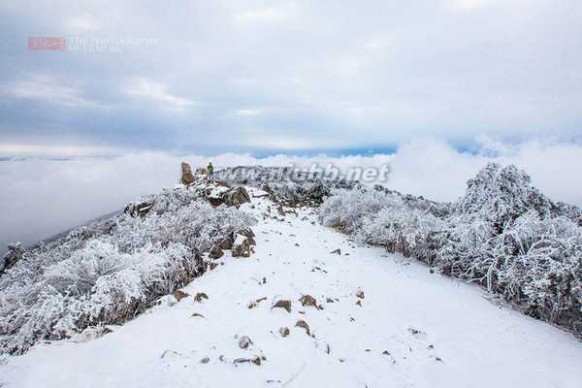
point(410, 231)
point(109, 271)
point(503, 234)
point(348, 209)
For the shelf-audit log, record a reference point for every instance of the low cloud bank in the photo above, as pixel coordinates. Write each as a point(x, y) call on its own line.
point(40, 198)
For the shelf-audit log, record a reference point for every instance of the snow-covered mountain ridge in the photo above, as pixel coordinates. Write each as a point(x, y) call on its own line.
point(350, 315)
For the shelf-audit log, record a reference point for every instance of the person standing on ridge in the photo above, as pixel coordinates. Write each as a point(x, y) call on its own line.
point(210, 169)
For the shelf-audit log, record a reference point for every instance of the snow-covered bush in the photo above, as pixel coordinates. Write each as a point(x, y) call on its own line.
point(110, 271)
point(503, 234)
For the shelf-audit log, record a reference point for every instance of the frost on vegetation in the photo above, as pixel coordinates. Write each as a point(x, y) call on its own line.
point(108, 272)
point(503, 234)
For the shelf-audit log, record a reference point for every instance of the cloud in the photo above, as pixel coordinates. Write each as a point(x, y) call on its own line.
point(381, 74)
point(12, 150)
point(269, 14)
point(49, 89)
point(156, 91)
point(40, 198)
point(468, 5)
point(249, 112)
point(82, 23)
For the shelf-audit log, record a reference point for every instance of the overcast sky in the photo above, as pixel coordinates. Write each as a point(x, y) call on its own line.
point(287, 76)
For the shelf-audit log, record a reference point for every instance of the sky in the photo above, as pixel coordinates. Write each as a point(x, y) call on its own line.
point(295, 77)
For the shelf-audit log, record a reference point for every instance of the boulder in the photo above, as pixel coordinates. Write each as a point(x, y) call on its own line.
point(236, 196)
point(138, 209)
point(241, 246)
point(226, 243)
point(14, 255)
point(187, 177)
point(216, 252)
point(248, 233)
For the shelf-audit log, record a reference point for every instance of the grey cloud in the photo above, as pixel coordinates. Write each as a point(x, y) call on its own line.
point(333, 74)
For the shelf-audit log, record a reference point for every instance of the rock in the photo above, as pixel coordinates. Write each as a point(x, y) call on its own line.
point(255, 360)
point(187, 177)
point(336, 251)
point(205, 360)
point(284, 304)
point(200, 296)
point(284, 331)
point(248, 233)
point(244, 342)
point(255, 303)
point(308, 300)
point(216, 252)
point(179, 295)
point(197, 315)
point(242, 245)
point(236, 196)
point(301, 323)
point(14, 255)
point(226, 243)
point(138, 209)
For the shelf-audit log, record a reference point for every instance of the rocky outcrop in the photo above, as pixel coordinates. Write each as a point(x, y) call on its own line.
point(241, 246)
point(14, 255)
point(236, 197)
point(219, 193)
point(187, 177)
point(138, 209)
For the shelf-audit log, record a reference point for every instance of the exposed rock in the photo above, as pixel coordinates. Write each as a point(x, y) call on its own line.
point(284, 304)
point(226, 243)
point(14, 255)
point(200, 296)
point(236, 196)
point(247, 232)
point(216, 252)
point(187, 177)
point(244, 342)
point(301, 323)
point(308, 300)
point(179, 295)
point(255, 303)
point(241, 246)
point(336, 251)
point(284, 331)
point(138, 209)
point(254, 359)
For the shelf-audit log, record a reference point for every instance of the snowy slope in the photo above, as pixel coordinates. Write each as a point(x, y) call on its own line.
point(413, 328)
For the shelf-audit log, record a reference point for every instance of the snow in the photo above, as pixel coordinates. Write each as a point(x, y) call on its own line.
point(217, 192)
point(240, 240)
point(413, 328)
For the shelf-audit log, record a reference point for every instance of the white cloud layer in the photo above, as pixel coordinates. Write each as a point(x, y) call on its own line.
point(40, 198)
